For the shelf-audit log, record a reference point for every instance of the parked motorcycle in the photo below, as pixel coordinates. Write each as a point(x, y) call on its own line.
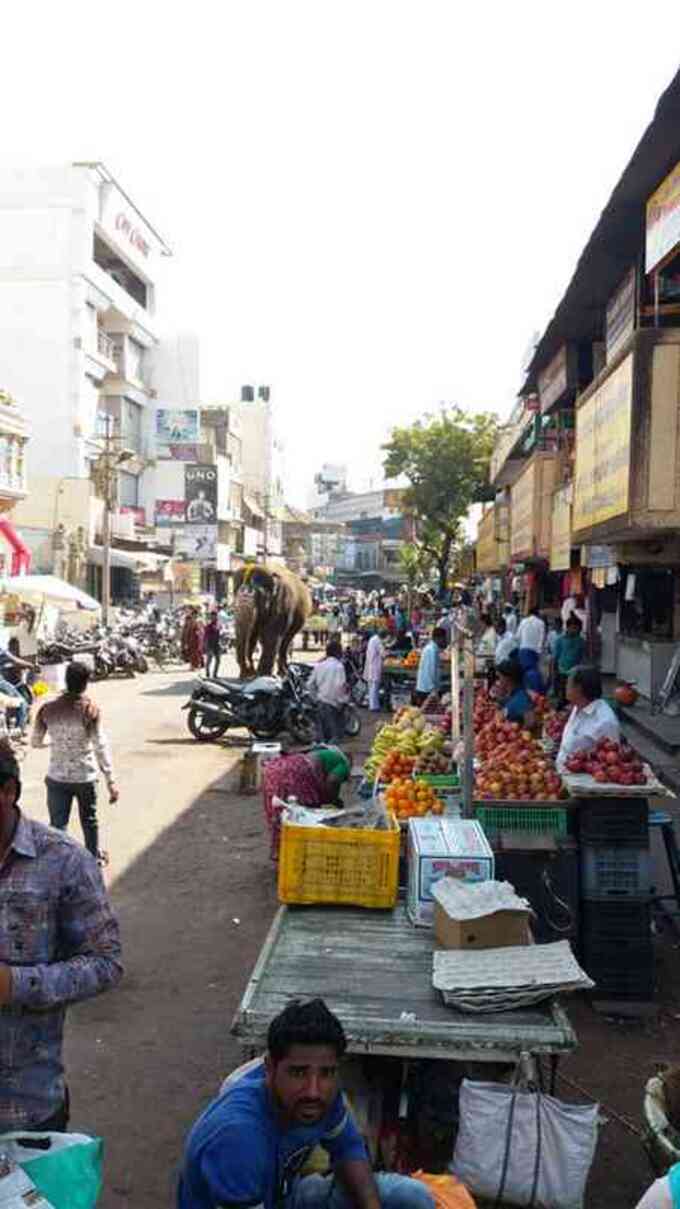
point(352, 717)
point(266, 706)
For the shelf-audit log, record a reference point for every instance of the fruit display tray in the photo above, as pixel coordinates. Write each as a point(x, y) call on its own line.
point(582, 785)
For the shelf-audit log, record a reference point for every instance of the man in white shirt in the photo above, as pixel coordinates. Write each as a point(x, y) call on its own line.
point(328, 684)
point(506, 642)
point(590, 720)
point(510, 619)
point(531, 641)
point(375, 653)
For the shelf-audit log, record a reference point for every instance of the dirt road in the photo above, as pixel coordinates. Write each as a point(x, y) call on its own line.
point(194, 889)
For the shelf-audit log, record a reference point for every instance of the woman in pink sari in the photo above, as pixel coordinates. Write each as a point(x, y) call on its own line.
point(314, 778)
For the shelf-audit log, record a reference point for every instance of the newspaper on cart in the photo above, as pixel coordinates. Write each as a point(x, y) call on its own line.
point(498, 980)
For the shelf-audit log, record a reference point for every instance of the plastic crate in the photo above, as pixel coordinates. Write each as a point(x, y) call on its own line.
point(449, 780)
point(610, 922)
point(615, 872)
point(613, 820)
point(339, 865)
point(536, 819)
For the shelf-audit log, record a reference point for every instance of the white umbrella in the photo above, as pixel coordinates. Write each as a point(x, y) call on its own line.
point(50, 587)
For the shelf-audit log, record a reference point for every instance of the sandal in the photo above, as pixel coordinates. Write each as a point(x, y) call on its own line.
point(102, 858)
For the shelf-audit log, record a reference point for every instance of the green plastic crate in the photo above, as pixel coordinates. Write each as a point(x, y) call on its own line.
point(447, 780)
point(537, 819)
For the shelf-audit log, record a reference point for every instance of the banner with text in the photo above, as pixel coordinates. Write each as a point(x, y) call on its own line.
point(602, 475)
point(200, 494)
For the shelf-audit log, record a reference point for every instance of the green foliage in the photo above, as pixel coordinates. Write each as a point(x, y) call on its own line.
point(445, 458)
point(416, 563)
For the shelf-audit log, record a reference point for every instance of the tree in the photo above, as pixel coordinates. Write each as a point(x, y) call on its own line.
point(416, 563)
point(445, 458)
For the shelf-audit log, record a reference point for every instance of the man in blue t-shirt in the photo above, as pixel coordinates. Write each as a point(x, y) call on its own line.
point(248, 1147)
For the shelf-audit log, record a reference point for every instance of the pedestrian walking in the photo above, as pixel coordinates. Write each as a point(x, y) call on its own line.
point(59, 943)
point(373, 669)
point(78, 748)
point(192, 639)
point(328, 685)
point(430, 666)
point(211, 645)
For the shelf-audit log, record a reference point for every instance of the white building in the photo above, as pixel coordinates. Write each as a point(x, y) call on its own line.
point(262, 470)
point(79, 336)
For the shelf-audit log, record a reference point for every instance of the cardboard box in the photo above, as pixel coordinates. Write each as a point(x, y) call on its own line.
point(494, 931)
point(441, 847)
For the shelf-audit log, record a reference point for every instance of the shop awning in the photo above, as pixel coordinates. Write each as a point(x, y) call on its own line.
point(21, 555)
point(50, 587)
point(139, 563)
point(252, 505)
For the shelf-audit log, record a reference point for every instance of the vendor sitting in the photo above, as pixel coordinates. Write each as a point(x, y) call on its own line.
point(513, 698)
point(590, 720)
point(251, 1144)
point(315, 778)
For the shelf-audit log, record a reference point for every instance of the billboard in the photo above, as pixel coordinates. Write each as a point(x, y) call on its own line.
point(196, 543)
point(663, 220)
point(176, 427)
point(602, 474)
point(560, 537)
point(200, 494)
point(169, 512)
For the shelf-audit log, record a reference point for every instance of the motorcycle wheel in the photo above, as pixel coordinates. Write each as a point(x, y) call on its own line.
point(265, 735)
point(352, 721)
point(102, 669)
point(142, 664)
point(359, 693)
point(203, 727)
point(302, 728)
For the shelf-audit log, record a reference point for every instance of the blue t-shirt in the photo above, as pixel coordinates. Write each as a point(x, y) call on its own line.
point(517, 705)
point(238, 1155)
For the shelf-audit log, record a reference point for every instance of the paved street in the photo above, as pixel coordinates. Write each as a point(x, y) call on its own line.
point(187, 859)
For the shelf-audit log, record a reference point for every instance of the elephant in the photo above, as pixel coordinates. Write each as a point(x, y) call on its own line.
point(272, 605)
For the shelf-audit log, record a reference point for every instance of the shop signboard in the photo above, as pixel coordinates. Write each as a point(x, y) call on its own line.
point(602, 475)
point(560, 534)
point(598, 556)
point(196, 543)
point(200, 494)
point(487, 546)
point(169, 512)
point(138, 514)
point(522, 513)
point(620, 315)
point(126, 228)
point(176, 428)
point(187, 578)
point(662, 233)
point(554, 379)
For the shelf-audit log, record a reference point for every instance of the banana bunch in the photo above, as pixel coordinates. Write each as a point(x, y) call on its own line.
point(386, 739)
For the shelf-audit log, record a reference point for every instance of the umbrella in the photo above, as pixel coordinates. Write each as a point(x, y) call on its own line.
point(52, 588)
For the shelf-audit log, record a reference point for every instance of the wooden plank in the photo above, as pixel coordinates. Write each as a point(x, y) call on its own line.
point(372, 967)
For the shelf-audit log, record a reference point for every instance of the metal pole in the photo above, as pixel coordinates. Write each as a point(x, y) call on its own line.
point(106, 559)
point(468, 727)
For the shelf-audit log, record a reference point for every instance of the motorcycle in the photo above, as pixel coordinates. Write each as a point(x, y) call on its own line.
point(352, 717)
point(266, 706)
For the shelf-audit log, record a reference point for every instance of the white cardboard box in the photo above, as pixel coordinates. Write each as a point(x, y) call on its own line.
point(441, 847)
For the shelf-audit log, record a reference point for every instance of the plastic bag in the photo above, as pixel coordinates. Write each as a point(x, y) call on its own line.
point(67, 1171)
point(448, 1192)
point(521, 1147)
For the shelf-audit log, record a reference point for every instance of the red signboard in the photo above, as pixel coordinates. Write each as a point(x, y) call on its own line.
point(138, 513)
point(169, 512)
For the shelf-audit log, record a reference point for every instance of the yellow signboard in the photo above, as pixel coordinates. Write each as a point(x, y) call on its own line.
point(560, 536)
point(522, 513)
point(602, 474)
point(487, 546)
point(663, 220)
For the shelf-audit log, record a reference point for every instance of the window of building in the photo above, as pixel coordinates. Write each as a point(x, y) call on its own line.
point(128, 490)
point(646, 603)
point(110, 262)
point(131, 425)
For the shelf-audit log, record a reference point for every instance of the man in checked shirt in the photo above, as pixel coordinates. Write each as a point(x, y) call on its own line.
point(59, 944)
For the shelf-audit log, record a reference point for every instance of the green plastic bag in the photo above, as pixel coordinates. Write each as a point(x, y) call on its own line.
point(68, 1173)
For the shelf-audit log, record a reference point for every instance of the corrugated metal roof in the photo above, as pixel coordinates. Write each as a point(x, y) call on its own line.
point(617, 238)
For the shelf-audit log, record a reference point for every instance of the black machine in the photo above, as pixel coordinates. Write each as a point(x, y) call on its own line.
point(266, 706)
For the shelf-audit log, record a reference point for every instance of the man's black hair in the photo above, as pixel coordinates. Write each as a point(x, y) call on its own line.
point(334, 649)
point(512, 670)
point(588, 680)
point(9, 769)
point(305, 1023)
point(440, 633)
point(572, 619)
point(77, 677)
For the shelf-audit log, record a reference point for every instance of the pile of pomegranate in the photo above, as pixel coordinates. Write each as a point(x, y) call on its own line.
point(553, 726)
point(609, 763)
point(513, 765)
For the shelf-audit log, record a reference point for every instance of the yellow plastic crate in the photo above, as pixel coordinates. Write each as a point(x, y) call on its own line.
point(339, 865)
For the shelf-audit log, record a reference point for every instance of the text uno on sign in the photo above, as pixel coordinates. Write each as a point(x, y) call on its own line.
point(135, 237)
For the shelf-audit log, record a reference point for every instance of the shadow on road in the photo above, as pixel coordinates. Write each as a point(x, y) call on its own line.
point(145, 1059)
point(181, 688)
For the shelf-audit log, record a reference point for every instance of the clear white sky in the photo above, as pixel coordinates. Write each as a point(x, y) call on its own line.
point(372, 204)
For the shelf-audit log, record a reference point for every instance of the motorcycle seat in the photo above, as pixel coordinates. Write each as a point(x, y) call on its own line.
point(261, 684)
